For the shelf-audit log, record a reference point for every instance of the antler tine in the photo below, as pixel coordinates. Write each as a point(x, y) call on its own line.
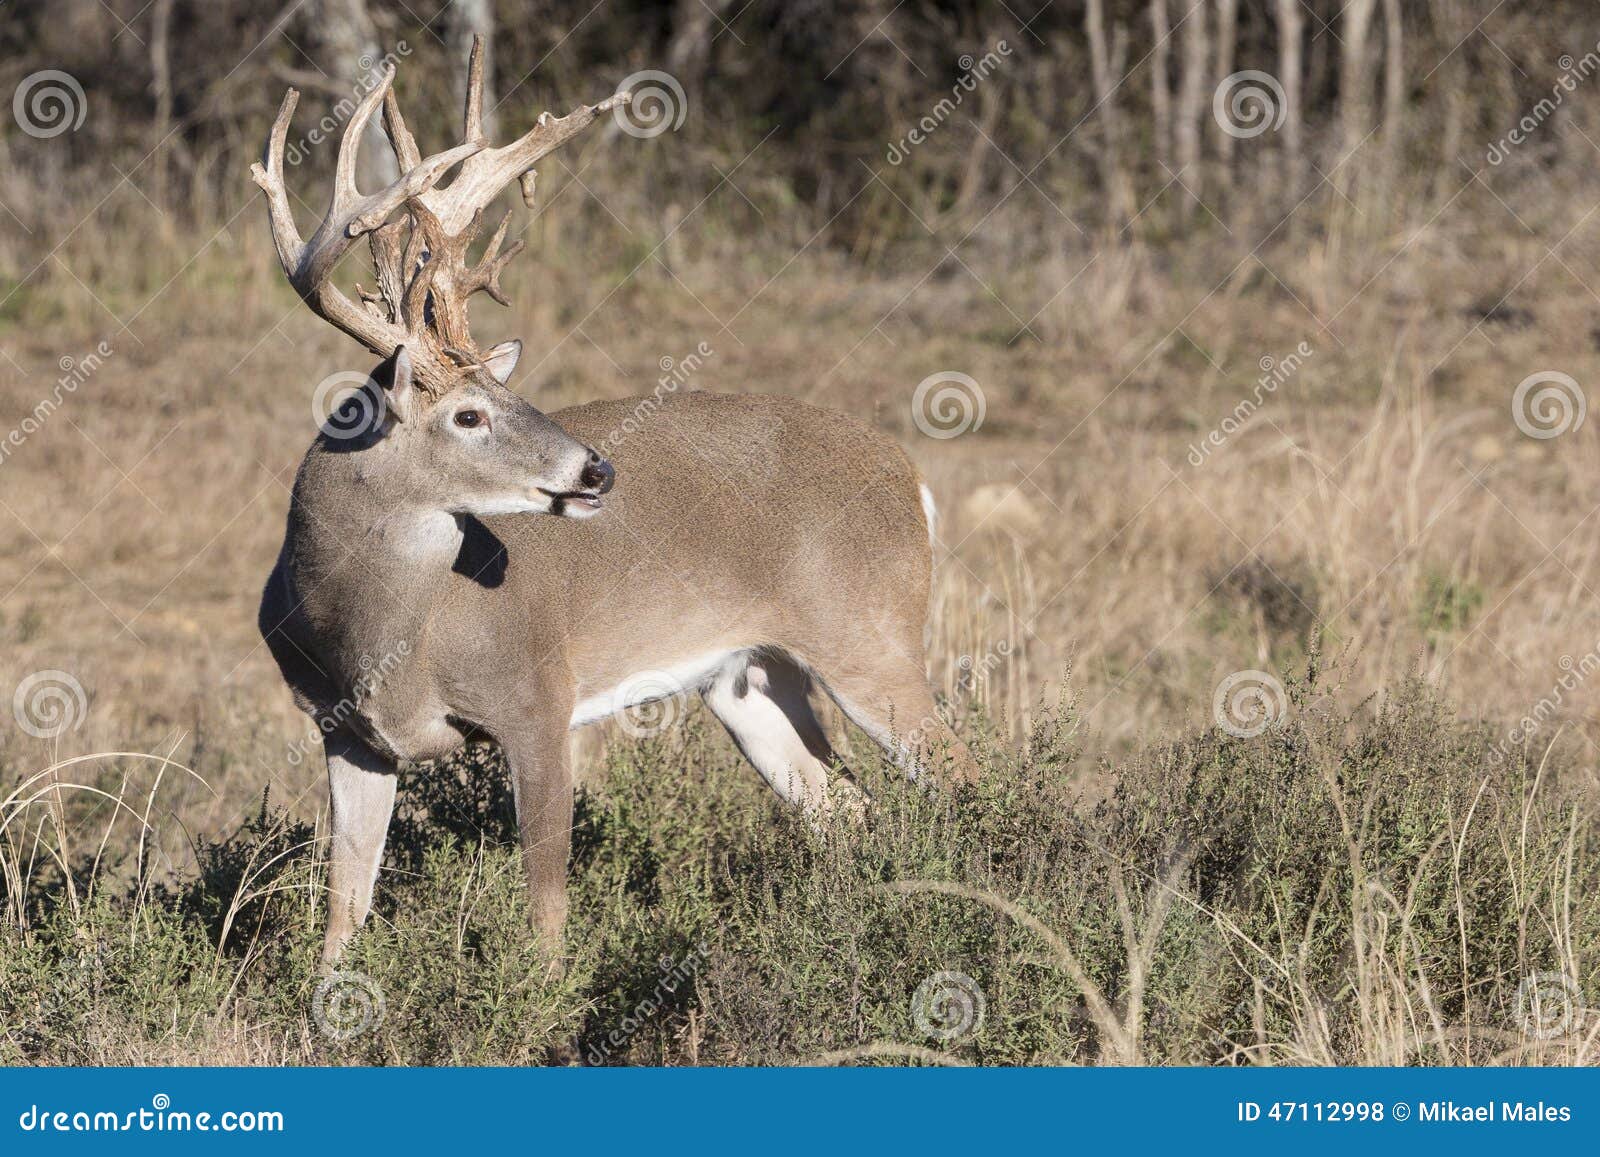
point(472, 125)
point(424, 279)
point(484, 175)
point(394, 125)
point(486, 274)
point(297, 256)
point(492, 170)
point(344, 172)
point(350, 214)
point(268, 173)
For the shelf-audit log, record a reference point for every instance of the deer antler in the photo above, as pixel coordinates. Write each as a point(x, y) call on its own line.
point(424, 279)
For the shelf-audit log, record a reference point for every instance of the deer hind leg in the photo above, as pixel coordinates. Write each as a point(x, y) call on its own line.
point(762, 700)
point(361, 788)
point(883, 691)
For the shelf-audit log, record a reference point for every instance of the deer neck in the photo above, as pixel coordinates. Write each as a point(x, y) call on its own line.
point(370, 573)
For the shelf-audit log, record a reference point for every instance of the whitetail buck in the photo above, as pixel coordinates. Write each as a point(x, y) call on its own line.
point(750, 547)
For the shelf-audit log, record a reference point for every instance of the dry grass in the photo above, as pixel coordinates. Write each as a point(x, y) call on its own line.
point(1382, 491)
point(1382, 500)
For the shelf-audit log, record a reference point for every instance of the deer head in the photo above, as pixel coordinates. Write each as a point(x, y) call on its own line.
point(451, 436)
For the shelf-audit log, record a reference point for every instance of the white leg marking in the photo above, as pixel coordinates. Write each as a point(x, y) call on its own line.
point(361, 795)
point(765, 735)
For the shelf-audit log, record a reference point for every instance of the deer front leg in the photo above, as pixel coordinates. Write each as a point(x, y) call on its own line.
point(541, 781)
point(361, 787)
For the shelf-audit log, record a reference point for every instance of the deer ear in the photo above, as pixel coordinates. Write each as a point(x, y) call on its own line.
point(398, 392)
point(502, 360)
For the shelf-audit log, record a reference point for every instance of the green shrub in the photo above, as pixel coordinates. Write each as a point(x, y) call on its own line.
point(1369, 888)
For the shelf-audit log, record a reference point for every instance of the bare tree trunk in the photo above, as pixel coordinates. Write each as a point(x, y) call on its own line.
point(972, 172)
point(1227, 32)
point(1161, 79)
point(1290, 30)
point(694, 26)
point(1192, 104)
point(1447, 17)
point(1115, 180)
point(1394, 81)
point(161, 89)
point(1355, 75)
point(465, 20)
point(342, 42)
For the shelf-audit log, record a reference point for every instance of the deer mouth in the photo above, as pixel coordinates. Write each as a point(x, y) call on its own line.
point(573, 503)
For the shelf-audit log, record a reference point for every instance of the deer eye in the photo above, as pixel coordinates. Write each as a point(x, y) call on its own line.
point(469, 419)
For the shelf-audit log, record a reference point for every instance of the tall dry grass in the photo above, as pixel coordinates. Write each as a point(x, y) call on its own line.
point(1381, 502)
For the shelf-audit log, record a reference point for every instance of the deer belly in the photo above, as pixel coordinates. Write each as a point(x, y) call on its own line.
point(647, 686)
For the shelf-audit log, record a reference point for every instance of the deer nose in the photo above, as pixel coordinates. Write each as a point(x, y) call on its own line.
point(598, 474)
